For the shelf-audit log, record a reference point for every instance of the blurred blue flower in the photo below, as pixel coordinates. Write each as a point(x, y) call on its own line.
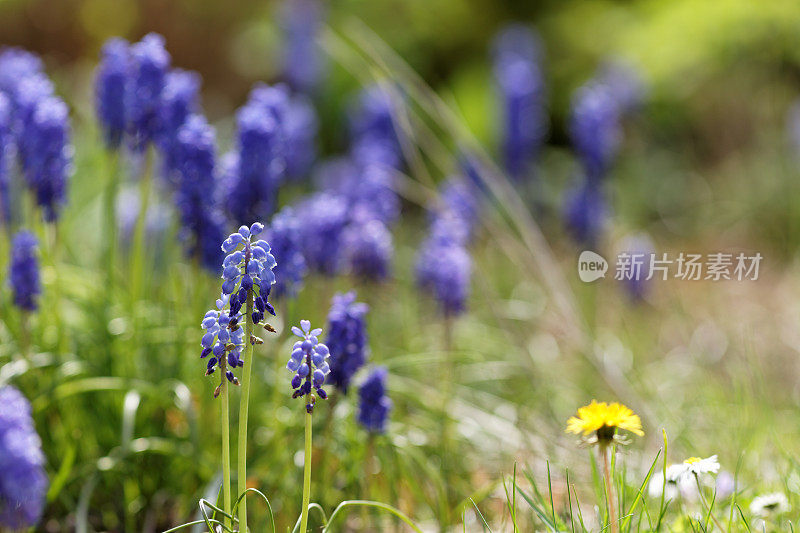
point(374, 138)
point(595, 128)
point(48, 155)
point(223, 340)
point(16, 65)
point(247, 269)
point(368, 250)
point(300, 128)
point(640, 250)
point(585, 212)
point(458, 198)
point(179, 99)
point(369, 190)
point(625, 84)
point(347, 338)
point(374, 405)
point(111, 77)
point(284, 236)
point(251, 188)
point(302, 57)
point(444, 267)
point(202, 223)
point(149, 65)
point(23, 271)
point(32, 91)
point(518, 75)
point(324, 217)
point(6, 149)
point(23, 481)
point(309, 364)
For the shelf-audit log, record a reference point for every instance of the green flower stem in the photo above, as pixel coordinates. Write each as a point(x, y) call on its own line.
point(243, 408)
point(605, 452)
point(705, 503)
point(110, 219)
point(226, 453)
point(306, 472)
point(138, 249)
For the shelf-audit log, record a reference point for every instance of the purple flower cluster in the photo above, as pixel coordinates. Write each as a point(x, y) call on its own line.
point(40, 128)
point(596, 131)
point(23, 272)
point(347, 338)
point(223, 340)
point(23, 481)
point(300, 128)
point(257, 169)
point(585, 212)
point(247, 270)
point(309, 364)
point(368, 250)
point(149, 64)
point(302, 61)
point(110, 86)
point(519, 79)
point(595, 128)
point(374, 139)
point(444, 265)
point(324, 216)
point(284, 236)
point(203, 225)
point(6, 149)
point(179, 100)
point(374, 405)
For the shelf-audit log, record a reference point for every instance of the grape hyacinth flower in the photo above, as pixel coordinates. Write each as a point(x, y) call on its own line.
point(444, 267)
point(149, 65)
point(324, 216)
point(595, 128)
point(625, 84)
point(373, 134)
point(203, 225)
point(23, 272)
point(252, 187)
point(300, 128)
point(519, 78)
point(16, 65)
point(302, 58)
point(374, 405)
point(32, 91)
point(179, 100)
point(585, 212)
point(223, 340)
point(309, 364)
point(347, 338)
point(110, 92)
point(283, 234)
point(23, 482)
point(458, 199)
point(6, 140)
point(48, 162)
point(247, 269)
point(368, 249)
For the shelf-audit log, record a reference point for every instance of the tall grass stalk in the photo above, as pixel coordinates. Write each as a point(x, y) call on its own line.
point(241, 472)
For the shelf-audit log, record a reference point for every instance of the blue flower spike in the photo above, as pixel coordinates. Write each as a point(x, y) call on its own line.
point(309, 364)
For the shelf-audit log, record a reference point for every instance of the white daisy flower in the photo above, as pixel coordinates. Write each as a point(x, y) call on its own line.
point(769, 504)
point(698, 466)
point(678, 484)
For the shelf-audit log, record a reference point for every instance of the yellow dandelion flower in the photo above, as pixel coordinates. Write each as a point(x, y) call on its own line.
point(599, 422)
